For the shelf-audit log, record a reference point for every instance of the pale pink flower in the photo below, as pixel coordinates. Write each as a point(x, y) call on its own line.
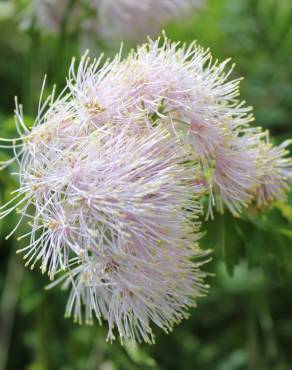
point(116, 210)
point(276, 173)
point(184, 90)
point(131, 292)
point(116, 170)
point(234, 176)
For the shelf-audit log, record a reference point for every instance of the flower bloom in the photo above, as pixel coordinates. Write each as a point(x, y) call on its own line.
point(185, 91)
point(111, 206)
point(114, 175)
point(275, 173)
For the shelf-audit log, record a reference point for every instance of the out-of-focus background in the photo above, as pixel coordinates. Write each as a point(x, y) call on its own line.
point(246, 320)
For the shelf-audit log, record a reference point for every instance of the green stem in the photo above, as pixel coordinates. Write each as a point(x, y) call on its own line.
point(31, 71)
point(8, 305)
point(62, 40)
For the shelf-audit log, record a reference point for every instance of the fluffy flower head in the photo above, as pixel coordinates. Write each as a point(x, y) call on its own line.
point(115, 173)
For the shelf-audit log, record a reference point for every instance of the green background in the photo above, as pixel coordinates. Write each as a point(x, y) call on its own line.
point(245, 322)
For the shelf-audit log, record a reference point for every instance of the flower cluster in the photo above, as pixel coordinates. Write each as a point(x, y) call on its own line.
point(112, 19)
point(115, 172)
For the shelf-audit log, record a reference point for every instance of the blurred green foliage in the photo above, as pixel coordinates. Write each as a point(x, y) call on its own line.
point(245, 322)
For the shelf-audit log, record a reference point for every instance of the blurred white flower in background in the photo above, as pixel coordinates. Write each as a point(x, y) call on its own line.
point(111, 19)
point(49, 13)
point(133, 20)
